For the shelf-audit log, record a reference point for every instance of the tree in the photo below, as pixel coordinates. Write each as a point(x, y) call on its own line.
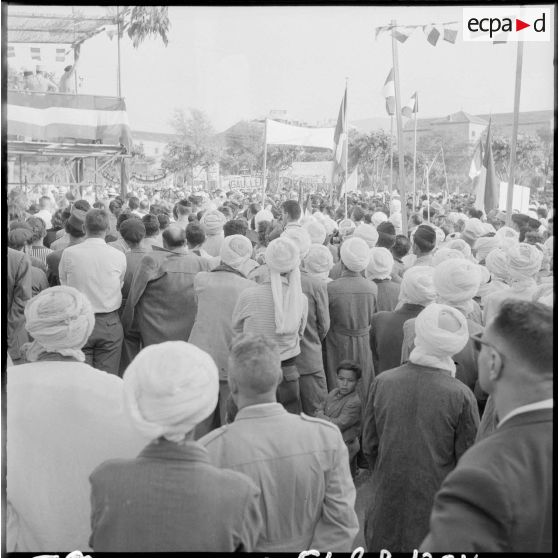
point(142, 22)
point(197, 145)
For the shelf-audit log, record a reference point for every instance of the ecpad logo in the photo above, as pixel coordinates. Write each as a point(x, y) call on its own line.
point(507, 24)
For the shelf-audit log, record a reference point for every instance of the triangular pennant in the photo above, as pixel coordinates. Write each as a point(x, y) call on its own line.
point(401, 33)
point(450, 35)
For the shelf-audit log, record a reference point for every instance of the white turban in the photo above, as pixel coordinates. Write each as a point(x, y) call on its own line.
point(484, 245)
point(475, 227)
point(346, 227)
point(378, 217)
point(485, 278)
point(368, 233)
point(461, 245)
point(457, 281)
point(440, 235)
point(329, 224)
point(235, 250)
point(524, 261)
point(355, 254)
point(395, 206)
point(300, 236)
point(263, 215)
point(417, 285)
point(380, 265)
point(213, 222)
point(441, 332)
point(319, 261)
point(283, 256)
point(443, 254)
point(60, 320)
point(497, 264)
point(453, 216)
point(316, 231)
point(169, 388)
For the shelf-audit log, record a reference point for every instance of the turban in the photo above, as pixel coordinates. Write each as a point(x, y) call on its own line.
point(441, 331)
point(235, 250)
point(524, 261)
point(300, 237)
point(453, 216)
point(319, 261)
point(443, 254)
point(473, 229)
point(489, 228)
point(283, 256)
point(485, 278)
point(417, 285)
point(484, 245)
point(380, 265)
point(169, 388)
point(505, 233)
point(497, 264)
point(316, 231)
point(461, 245)
point(212, 222)
point(395, 206)
point(440, 235)
point(396, 220)
point(60, 320)
point(329, 224)
point(368, 233)
point(263, 215)
point(457, 281)
point(355, 254)
point(346, 227)
point(378, 217)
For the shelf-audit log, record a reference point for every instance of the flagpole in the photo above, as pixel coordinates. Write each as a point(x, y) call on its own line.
point(346, 146)
point(518, 67)
point(402, 192)
point(415, 155)
point(445, 175)
point(391, 155)
point(264, 164)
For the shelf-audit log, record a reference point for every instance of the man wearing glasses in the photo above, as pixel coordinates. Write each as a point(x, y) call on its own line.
point(499, 497)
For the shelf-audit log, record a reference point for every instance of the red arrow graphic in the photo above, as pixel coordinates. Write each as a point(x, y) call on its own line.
point(519, 25)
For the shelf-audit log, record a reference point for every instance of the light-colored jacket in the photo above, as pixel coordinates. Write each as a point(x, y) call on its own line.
point(301, 465)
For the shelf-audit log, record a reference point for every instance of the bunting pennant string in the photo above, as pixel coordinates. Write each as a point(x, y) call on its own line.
point(433, 31)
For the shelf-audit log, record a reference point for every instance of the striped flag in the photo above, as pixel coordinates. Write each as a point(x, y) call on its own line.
point(60, 54)
point(488, 187)
point(389, 93)
point(411, 107)
point(11, 51)
point(35, 53)
point(340, 134)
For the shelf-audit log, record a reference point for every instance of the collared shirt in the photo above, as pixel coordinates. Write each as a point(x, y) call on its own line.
point(545, 404)
point(39, 252)
point(95, 269)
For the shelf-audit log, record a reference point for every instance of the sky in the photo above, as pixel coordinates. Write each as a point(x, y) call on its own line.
point(241, 62)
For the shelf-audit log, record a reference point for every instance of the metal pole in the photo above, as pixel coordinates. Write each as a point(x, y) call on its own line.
point(518, 67)
point(264, 165)
point(445, 174)
point(391, 155)
point(20, 174)
point(346, 148)
point(119, 91)
point(415, 162)
point(402, 190)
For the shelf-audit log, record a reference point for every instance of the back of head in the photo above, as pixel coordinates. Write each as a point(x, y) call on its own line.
point(235, 226)
point(174, 236)
point(96, 222)
point(144, 205)
point(133, 203)
point(386, 235)
point(425, 238)
point(401, 246)
point(18, 238)
point(526, 330)
point(255, 365)
point(75, 224)
point(417, 286)
point(357, 214)
point(182, 209)
point(457, 280)
point(235, 250)
point(355, 254)
point(82, 205)
point(164, 220)
point(132, 231)
point(195, 235)
point(38, 227)
point(292, 210)
point(151, 224)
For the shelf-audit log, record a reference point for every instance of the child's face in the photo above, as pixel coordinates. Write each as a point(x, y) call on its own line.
point(346, 381)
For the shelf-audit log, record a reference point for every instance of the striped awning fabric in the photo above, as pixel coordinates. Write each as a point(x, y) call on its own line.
point(53, 116)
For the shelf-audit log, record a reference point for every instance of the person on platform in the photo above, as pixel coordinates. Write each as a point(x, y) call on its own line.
point(64, 418)
point(419, 420)
point(97, 270)
point(300, 463)
point(67, 83)
point(499, 498)
point(42, 82)
point(171, 497)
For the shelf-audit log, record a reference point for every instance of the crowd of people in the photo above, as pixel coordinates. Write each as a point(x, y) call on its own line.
point(214, 374)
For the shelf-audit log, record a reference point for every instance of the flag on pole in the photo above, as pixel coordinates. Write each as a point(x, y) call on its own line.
point(352, 182)
point(35, 53)
point(476, 162)
point(389, 93)
point(487, 191)
point(411, 107)
point(340, 134)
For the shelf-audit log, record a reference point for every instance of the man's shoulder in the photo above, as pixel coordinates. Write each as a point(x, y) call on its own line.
point(321, 425)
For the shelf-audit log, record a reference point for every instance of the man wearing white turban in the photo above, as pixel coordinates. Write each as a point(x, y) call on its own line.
point(278, 308)
point(523, 262)
point(316, 231)
point(318, 262)
point(368, 233)
point(395, 215)
point(483, 246)
point(212, 222)
point(386, 331)
point(170, 498)
point(64, 418)
point(379, 271)
point(300, 463)
point(443, 254)
point(419, 411)
point(461, 245)
point(352, 302)
point(217, 292)
point(474, 228)
point(378, 217)
point(300, 237)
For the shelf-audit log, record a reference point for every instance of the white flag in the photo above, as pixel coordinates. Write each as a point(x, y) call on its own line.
point(352, 182)
point(285, 134)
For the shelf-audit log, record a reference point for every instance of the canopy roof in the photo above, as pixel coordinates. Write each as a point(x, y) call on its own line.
point(62, 28)
point(64, 149)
